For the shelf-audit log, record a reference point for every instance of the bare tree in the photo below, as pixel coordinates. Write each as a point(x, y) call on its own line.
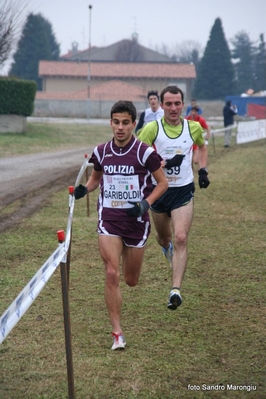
point(184, 52)
point(11, 18)
point(129, 51)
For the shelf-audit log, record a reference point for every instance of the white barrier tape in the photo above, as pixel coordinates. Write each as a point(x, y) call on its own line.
point(27, 296)
point(224, 129)
point(81, 172)
point(72, 203)
point(70, 200)
point(69, 224)
point(30, 292)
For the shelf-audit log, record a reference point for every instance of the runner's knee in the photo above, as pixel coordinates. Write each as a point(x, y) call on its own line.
point(112, 276)
point(131, 281)
point(181, 239)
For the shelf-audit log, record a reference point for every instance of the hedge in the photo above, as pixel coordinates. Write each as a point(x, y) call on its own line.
point(17, 96)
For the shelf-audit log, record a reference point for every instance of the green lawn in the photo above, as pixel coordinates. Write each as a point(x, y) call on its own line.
point(42, 137)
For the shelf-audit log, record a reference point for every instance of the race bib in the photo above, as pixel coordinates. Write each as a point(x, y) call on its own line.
point(119, 189)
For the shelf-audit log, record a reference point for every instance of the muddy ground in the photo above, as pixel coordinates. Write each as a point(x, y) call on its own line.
point(30, 180)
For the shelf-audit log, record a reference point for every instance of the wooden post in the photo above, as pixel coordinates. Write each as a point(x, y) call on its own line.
point(65, 299)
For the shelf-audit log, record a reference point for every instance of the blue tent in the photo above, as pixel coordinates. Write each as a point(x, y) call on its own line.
point(242, 103)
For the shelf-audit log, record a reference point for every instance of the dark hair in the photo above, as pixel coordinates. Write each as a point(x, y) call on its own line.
point(172, 90)
point(124, 106)
point(153, 93)
point(195, 108)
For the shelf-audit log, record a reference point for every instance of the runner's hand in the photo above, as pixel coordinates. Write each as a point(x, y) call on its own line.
point(175, 161)
point(138, 209)
point(80, 191)
point(203, 178)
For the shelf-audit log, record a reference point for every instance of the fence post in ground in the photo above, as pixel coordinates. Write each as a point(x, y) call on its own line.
point(213, 139)
point(71, 193)
point(65, 299)
point(88, 198)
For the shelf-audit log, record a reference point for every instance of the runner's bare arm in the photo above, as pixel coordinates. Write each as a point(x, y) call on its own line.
point(161, 187)
point(94, 180)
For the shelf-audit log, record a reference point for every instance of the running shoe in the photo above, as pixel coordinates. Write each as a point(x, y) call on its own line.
point(168, 254)
point(119, 341)
point(174, 299)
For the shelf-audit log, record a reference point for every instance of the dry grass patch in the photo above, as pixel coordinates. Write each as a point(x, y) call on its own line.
point(47, 136)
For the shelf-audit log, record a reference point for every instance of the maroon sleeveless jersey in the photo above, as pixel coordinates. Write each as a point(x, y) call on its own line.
point(126, 177)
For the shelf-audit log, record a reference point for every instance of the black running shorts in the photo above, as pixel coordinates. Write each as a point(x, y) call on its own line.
point(174, 198)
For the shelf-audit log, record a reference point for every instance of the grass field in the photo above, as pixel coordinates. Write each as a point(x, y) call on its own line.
point(213, 344)
point(42, 137)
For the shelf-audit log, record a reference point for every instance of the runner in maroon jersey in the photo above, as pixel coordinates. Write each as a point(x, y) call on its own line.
point(122, 170)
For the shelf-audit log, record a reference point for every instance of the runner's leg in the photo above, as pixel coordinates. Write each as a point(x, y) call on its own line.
point(111, 248)
point(132, 259)
point(163, 228)
point(182, 220)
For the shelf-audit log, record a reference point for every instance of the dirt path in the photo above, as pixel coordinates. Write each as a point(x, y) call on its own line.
point(31, 179)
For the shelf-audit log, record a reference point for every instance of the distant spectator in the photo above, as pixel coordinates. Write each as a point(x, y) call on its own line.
point(153, 113)
point(193, 102)
point(194, 116)
point(229, 111)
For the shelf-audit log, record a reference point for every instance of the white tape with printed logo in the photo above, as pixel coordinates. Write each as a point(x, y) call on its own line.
point(27, 296)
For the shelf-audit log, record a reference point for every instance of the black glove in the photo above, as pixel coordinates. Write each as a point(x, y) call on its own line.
point(80, 191)
point(203, 179)
point(138, 209)
point(175, 161)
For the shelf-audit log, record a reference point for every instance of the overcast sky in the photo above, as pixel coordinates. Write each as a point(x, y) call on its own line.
point(157, 22)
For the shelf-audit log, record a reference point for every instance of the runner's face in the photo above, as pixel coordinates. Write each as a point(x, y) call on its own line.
point(193, 113)
point(122, 126)
point(154, 103)
point(172, 106)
